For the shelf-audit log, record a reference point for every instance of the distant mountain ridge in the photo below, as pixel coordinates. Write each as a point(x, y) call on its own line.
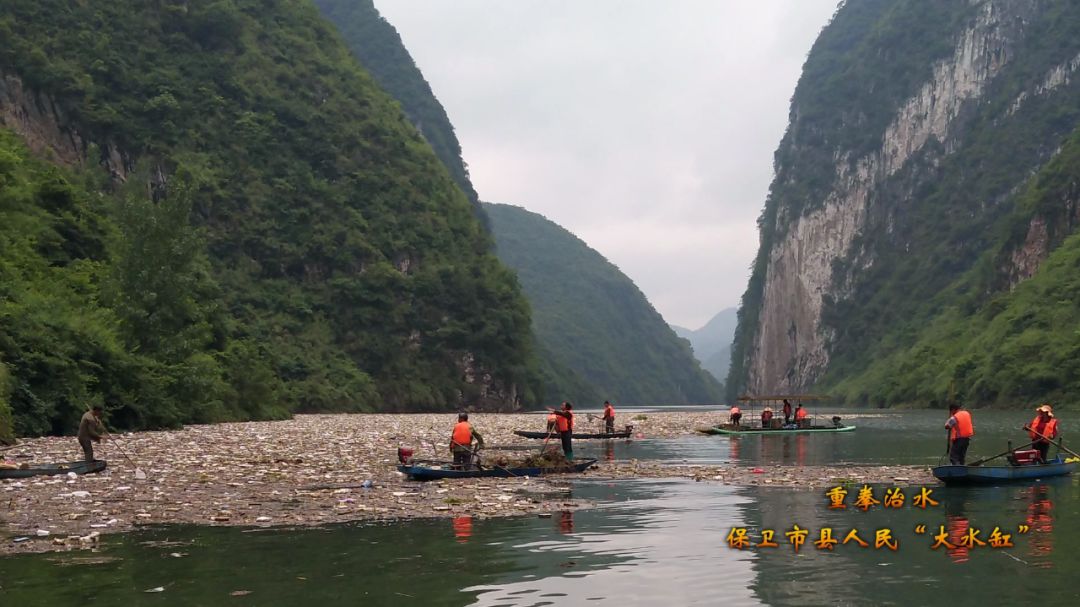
point(597, 335)
point(712, 342)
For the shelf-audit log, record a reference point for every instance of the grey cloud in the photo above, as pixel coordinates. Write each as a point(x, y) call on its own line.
point(645, 127)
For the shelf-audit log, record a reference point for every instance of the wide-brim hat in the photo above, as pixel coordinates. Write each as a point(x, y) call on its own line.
point(769, 409)
point(1045, 407)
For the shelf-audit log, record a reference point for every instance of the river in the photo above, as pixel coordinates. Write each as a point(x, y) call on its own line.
point(648, 542)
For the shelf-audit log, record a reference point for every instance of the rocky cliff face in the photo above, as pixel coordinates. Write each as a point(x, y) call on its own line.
point(858, 212)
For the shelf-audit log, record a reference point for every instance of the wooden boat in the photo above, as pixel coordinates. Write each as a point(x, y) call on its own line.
point(751, 403)
point(992, 475)
point(81, 467)
point(748, 430)
point(424, 473)
point(576, 435)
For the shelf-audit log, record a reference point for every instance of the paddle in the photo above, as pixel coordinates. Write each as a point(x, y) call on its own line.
point(1058, 443)
point(986, 459)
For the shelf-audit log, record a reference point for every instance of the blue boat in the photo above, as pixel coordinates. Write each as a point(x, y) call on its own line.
point(425, 473)
point(993, 475)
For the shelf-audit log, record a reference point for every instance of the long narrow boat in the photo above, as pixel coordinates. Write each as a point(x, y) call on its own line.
point(992, 475)
point(424, 473)
point(576, 435)
point(82, 467)
point(747, 430)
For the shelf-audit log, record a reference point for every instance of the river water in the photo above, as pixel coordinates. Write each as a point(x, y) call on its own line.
point(649, 542)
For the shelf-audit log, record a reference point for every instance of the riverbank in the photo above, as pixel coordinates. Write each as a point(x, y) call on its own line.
point(320, 469)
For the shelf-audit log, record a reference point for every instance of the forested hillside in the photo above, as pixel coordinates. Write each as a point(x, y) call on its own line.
point(598, 336)
point(247, 226)
point(375, 42)
point(919, 231)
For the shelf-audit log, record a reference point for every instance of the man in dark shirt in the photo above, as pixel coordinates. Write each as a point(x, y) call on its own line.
point(91, 430)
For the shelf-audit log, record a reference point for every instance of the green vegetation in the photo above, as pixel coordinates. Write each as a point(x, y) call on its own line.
point(591, 319)
point(378, 47)
point(937, 305)
point(7, 425)
point(286, 240)
point(1012, 347)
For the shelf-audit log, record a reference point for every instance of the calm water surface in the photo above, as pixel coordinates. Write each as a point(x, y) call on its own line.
point(649, 542)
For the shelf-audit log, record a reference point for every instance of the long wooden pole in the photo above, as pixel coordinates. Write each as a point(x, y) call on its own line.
point(1058, 443)
point(986, 459)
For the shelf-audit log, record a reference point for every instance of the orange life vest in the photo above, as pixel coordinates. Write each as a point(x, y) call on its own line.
point(766, 416)
point(800, 413)
point(963, 428)
point(1047, 429)
point(462, 435)
point(565, 422)
point(735, 410)
point(609, 412)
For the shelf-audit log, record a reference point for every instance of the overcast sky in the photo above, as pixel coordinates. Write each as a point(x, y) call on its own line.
point(645, 127)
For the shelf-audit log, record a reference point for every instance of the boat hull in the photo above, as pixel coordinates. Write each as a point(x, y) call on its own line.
point(577, 435)
point(811, 430)
point(422, 473)
point(992, 475)
point(81, 467)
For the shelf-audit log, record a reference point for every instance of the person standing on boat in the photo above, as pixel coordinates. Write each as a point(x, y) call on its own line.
point(800, 416)
point(787, 412)
point(735, 416)
point(461, 442)
point(564, 425)
point(91, 431)
point(609, 417)
point(1042, 430)
point(961, 429)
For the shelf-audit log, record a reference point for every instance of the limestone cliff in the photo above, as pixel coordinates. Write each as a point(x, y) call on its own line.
point(911, 132)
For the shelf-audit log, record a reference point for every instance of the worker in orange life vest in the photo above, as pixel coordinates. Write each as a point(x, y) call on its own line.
point(609, 417)
point(800, 416)
point(766, 417)
point(961, 429)
point(735, 416)
point(461, 442)
point(564, 425)
point(787, 412)
point(1043, 429)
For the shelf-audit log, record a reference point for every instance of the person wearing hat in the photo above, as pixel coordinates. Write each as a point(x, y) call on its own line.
point(1042, 430)
point(766, 417)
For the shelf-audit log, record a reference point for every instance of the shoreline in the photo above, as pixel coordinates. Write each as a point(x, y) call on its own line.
point(310, 470)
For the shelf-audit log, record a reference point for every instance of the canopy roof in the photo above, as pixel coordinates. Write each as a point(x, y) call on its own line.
point(781, 397)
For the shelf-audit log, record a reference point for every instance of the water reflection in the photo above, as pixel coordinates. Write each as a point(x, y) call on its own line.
point(566, 522)
point(462, 528)
point(1041, 523)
